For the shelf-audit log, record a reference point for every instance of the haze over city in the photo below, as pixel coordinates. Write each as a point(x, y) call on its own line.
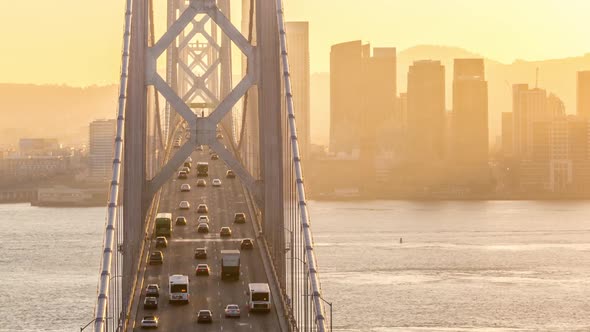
point(419, 165)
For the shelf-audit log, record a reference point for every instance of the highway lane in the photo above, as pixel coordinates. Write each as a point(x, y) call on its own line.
point(207, 292)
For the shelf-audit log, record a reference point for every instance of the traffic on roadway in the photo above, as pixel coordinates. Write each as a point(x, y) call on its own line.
point(204, 271)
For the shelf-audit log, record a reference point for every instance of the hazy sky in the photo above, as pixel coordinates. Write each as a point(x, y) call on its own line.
point(78, 42)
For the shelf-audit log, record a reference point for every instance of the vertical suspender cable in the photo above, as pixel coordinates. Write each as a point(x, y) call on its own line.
point(312, 269)
point(110, 231)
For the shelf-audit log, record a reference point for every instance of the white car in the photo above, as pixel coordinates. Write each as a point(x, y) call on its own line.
point(185, 205)
point(185, 187)
point(149, 321)
point(216, 183)
point(189, 159)
point(232, 310)
point(204, 219)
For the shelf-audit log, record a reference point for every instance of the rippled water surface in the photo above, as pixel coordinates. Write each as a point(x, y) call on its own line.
point(48, 267)
point(462, 266)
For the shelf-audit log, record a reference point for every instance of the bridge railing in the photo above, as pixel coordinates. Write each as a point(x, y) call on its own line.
point(311, 319)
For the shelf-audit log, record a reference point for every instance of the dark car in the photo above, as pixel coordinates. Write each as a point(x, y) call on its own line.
point(247, 244)
point(214, 156)
point(201, 253)
point(203, 228)
point(152, 290)
point(188, 164)
point(150, 302)
point(161, 242)
point(202, 270)
point(219, 136)
point(181, 221)
point(230, 174)
point(204, 316)
point(202, 208)
point(156, 257)
point(225, 231)
point(240, 218)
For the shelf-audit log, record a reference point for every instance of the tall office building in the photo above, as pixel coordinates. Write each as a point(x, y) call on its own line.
point(346, 102)
point(426, 111)
point(583, 93)
point(529, 106)
point(102, 139)
point(298, 48)
point(378, 93)
point(470, 114)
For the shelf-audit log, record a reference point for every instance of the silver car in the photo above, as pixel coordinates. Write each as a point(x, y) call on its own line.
point(149, 322)
point(232, 310)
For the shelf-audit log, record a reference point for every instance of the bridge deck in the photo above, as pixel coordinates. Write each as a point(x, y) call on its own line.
point(207, 292)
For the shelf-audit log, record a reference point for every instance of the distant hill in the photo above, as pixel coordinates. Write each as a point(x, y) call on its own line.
point(52, 111)
point(556, 75)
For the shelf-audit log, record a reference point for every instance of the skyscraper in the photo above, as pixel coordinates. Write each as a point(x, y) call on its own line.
point(378, 93)
point(102, 139)
point(470, 114)
point(298, 48)
point(426, 111)
point(583, 94)
point(530, 105)
point(346, 102)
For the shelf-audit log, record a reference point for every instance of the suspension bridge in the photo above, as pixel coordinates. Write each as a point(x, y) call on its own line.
point(183, 99)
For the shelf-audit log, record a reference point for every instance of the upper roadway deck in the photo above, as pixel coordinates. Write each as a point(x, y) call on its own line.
point(206, 292)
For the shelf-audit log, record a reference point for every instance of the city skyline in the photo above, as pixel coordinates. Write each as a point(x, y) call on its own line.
point(94, 50)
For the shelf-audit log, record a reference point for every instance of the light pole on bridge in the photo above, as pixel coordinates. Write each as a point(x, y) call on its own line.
point(328, 303)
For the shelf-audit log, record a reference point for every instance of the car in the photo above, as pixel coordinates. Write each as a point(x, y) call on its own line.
point(156, 257)
point(204, 316)
point(225, 231)
point(230, 174)
point(247, 244)
point(188, 164)
point(202, 270)
point(214, 156)
point(181, 221)
point(232, 310)
point(216, 183)
point(201, 253)
point(189, 160)
point(185, 205)
point(240, 218)
point(203, 228)
point(152, 290)
point(161, 242)
point(149, 322)
point(199, 148)
point(185, 187)
point(182, 175)
point(202, 208)
point(201, 183)
point(150, 302)
point(204, 219)
point(185, 169)
point(219, 136)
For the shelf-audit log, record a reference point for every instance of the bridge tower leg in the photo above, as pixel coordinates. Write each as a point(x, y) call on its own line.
point(135, 204)
point(270, 131)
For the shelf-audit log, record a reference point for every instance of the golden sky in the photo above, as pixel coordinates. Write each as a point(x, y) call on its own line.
point(78, 42)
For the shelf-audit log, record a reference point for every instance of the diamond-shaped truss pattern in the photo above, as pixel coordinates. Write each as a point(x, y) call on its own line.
point(200, 69)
